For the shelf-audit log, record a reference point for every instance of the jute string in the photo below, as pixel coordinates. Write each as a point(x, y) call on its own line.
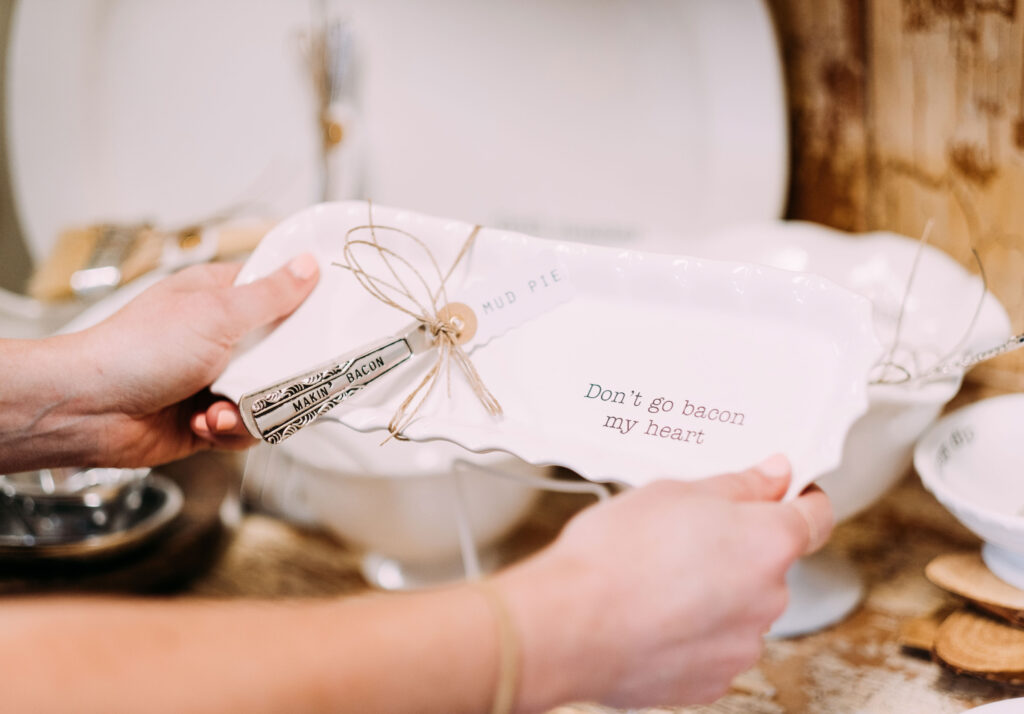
point(395, 292)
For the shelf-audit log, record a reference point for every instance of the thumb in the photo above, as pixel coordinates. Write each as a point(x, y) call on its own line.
point(811, 519)
point(272, 297)
point(767, 481)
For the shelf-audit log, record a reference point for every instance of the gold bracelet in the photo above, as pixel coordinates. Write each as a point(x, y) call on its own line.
point(508, 650)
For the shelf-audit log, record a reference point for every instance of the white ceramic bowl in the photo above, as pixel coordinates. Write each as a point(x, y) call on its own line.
point(941, 304)
point(971, 460)
point(879, 446)
point(399, 503)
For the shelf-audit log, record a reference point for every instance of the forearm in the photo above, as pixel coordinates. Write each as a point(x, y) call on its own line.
point(42, 422)
point(427, 652)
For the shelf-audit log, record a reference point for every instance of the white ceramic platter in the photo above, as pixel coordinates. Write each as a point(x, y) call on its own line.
point(632, 366)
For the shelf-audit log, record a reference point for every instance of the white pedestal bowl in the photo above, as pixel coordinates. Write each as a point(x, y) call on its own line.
point(419, 514)
point(925, 306)
point(970, 461)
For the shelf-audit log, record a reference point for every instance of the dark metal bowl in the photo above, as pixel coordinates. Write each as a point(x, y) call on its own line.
point(68, 513)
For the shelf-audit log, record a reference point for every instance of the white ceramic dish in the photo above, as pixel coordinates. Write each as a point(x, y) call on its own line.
point(399, 504)
point(936, 317)
point(971, 460)
point(782, 357)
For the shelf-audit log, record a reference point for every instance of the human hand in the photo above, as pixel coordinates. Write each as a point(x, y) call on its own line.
point(145, 368)
point(663, 594)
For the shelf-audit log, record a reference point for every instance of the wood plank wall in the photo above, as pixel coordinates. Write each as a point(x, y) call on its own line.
point(15, 262)
point(905, 111)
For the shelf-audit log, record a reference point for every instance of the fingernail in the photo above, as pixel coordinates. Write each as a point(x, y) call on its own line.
point(303, 267)
point(226, 421)
point(815, 537)
point(775, 466)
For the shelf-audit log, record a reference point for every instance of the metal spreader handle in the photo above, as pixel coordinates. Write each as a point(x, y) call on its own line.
point(276, 412)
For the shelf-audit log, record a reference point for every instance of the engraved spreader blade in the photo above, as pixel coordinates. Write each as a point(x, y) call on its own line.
point(276, 412)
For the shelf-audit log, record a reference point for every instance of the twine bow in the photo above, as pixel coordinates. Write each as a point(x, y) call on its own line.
point(398, 294)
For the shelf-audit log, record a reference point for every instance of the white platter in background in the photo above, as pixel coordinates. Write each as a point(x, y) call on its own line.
point(788, 353)
point(943, 295)
point(165, 110)
point(578, 120)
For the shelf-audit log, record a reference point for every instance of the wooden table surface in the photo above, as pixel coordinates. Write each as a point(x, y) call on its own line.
point(856, 666)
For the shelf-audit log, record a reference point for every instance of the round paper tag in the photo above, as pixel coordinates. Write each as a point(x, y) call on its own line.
point(462, 318)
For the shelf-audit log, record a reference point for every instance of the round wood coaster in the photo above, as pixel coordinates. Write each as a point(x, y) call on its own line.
point(973, 643)
point(181, 551)
point(919, 633)
point(966, 575)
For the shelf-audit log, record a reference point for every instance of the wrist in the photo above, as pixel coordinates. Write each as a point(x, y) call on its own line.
point(43, 421)
point(547, 598)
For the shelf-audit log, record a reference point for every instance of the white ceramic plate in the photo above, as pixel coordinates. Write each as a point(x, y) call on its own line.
point(781, 358)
